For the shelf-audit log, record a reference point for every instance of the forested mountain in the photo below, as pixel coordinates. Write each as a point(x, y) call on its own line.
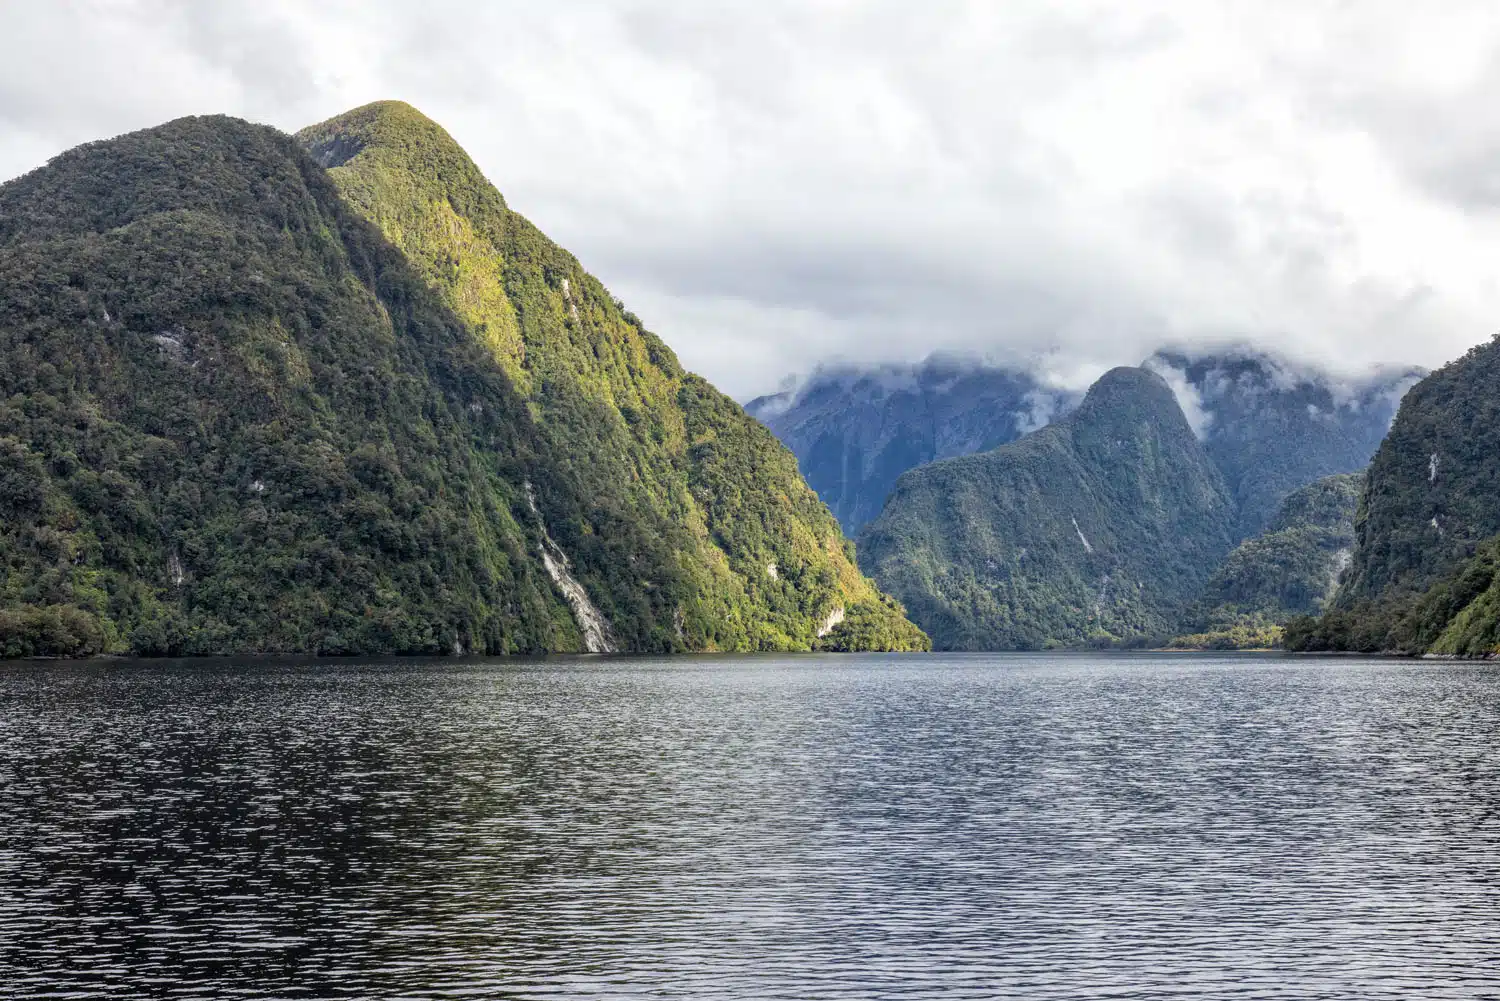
point(1422, 576)
point(1268, 427)
point(1272, 429)
point(239, 417)
point(1100, 528)
point(855, 430)
point(1290, 569)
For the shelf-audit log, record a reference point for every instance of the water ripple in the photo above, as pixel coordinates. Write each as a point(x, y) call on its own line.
point(943, 827)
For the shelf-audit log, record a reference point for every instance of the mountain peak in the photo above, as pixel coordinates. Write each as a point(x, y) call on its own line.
point(1128, 380)
point(1127, 397)
point(380, 376)
point(1099, 527)
point(399, 136)
point(611, 398)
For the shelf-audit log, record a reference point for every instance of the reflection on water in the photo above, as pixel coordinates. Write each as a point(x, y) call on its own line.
point(752, 828)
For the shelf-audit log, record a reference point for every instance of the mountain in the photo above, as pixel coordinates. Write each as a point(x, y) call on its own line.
point(855, 431)
point(1271, 428)
point(1290, 569)
point(256, 405)
point(1100, 528)
point(1424, 557)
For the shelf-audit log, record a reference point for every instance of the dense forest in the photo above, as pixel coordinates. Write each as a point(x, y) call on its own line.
point(250, 406)
point(1422, 575)
point(1289, 570)
point(1099, 529)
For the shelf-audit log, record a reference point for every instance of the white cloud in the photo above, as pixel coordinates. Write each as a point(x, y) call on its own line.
point(776, 184)
point(1188, 398)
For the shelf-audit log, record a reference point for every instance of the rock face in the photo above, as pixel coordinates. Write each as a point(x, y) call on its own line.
point(253, 404)
point(1423, 563)
point(855, 431)
point(597, 634)
point(1099, 528)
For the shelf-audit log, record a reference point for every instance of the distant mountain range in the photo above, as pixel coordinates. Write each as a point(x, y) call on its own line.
point(1269, 427)
point(1272, 428)
point(855, 431)
point(1210, 451)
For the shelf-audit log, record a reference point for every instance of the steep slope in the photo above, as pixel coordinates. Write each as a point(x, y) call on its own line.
point(1434, 487)
point(1290, 569)
point(697, 520)
point(855, 431)
point(1431, 501)
point(236, 418)
point(1099, 528)
point(1271, 428)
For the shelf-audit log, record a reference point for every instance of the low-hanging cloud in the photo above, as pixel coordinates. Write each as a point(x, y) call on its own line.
point(1189, 399)
point(777, 185)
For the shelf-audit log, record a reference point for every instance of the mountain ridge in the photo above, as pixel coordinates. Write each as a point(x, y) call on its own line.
point(855, 431)
point(240, 418)
point(1270, 427)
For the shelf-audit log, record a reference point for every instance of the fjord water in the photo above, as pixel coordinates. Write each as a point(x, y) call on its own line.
point(804, 827)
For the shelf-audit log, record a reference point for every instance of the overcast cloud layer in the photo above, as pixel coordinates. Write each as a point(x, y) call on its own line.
point(775, 184)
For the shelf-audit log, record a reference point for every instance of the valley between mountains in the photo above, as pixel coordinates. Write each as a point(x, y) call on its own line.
point(1196, 501)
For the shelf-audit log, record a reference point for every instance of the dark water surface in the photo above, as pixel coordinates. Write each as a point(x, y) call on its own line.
point(946, 827)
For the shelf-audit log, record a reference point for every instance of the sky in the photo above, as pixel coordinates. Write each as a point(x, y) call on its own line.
point(776, 185)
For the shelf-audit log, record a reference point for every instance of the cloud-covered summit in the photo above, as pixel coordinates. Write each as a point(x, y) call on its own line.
point(776, 185)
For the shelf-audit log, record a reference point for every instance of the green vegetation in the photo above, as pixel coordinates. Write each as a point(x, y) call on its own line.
point(1422, 573)
point(1465, 607)
point(1291, 569)
point(237, 418)
point(1246, 634)
point(57, 630)
point(1098, 529)
point(688, 494)
point(1458, 616)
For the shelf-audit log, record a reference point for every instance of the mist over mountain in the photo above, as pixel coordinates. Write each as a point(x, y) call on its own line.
point(1269, 426)
point(1272, 427)
point(855, 431)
